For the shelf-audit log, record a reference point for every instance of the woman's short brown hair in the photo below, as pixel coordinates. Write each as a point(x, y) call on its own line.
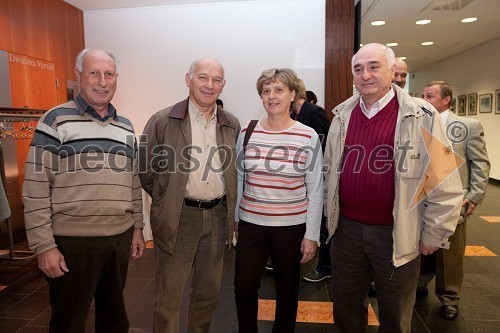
point(286, 76)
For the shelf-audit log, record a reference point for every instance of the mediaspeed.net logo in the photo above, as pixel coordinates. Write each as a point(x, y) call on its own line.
point(443, 161)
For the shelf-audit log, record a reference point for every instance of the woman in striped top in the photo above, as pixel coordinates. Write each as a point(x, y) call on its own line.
point(280, 200)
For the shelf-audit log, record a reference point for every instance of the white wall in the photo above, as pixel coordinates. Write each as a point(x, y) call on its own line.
point(156, 45)
point(474, 71)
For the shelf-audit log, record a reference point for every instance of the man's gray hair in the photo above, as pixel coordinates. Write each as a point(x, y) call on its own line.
point(83, 53)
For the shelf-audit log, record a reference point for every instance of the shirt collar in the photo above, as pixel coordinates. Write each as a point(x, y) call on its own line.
point(194, 113)
point(444, 115)
point(378, 105)
point(83, 107)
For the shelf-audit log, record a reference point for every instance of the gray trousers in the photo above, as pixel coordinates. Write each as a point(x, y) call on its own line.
point(448, 267)
point(360, 252)
point(199, 252)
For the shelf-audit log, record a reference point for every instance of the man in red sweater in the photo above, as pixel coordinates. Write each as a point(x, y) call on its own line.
point(392, 193)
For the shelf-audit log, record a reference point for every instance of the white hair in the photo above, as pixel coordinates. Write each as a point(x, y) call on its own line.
point(83, 53)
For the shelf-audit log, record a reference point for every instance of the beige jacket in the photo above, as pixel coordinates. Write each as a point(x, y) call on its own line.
point(165, 138)
point(434, 218)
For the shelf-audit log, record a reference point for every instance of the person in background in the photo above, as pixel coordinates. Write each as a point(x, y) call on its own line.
point(315, 117)
point(280, 198)
point(82, 200)
point(467, 137)
point(384, 207)
point(401, 73)
point(311, 97)
point(220, 103)
point(193, 198)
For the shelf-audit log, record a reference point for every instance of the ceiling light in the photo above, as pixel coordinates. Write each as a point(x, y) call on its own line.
point(469, 19)
point(427, 43)
point(378, 23)
point(422, 22)
point(392, 44)
point(402, 58)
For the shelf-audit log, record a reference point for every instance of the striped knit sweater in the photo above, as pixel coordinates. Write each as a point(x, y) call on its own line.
point(282, 184)
point(81, 177)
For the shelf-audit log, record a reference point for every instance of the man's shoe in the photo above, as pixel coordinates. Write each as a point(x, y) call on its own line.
point(269, 265)
point(449, 312)
point(316, 276)
point(422, 292)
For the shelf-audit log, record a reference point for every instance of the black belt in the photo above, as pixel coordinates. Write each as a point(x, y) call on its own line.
point(204, 204)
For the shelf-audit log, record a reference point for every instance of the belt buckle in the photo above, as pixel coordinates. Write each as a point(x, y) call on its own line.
point(199, 204)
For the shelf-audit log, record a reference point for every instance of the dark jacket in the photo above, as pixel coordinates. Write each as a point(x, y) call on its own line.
point(315, 117)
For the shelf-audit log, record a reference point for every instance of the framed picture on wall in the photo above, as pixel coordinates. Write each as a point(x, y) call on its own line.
point(453, 106)
point(497, 101)
point(485, 103)
point(472, 104)
point(462, 100)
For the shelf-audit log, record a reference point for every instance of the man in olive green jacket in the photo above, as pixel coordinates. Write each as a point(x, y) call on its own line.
point(187, 159)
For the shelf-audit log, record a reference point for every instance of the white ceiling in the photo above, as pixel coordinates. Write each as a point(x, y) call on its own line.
point(449, 35)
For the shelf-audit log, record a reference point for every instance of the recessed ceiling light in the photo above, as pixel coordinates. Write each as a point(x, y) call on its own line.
point(378, 23)
point(422, 22)
point(427, 43)
point(392, 44)
point(402, 58)
point(469, 19)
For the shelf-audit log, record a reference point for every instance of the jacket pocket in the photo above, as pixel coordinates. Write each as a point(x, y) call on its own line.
point(414, 161)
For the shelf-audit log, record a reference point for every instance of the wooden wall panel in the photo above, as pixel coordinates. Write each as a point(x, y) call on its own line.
point(50, 30)
point(339, 49)
point(67, 30)
point(5, 41)
point(32, 82)
point(34, 36)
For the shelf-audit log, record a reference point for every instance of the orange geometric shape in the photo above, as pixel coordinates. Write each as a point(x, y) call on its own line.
point(309, 312)
point(492, 219)
point(478, 251)
point(443, 161)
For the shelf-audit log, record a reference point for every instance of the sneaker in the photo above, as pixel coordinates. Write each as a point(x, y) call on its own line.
point(269, 265)
point(316, 276)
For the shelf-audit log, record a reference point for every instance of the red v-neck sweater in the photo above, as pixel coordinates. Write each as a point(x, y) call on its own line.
point(367, 176)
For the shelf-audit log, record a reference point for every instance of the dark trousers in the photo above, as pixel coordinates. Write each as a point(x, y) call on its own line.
point(324, 260)
point(448, 267)
point(255, 244)
point(360, 252)
point(97, 270)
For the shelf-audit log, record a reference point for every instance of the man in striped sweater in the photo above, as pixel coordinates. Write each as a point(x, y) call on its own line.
point(82, 200)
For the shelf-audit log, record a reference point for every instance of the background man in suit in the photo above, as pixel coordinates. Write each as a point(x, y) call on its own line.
point(467, 137)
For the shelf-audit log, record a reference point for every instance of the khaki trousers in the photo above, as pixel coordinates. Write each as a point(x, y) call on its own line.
point(199, 251)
